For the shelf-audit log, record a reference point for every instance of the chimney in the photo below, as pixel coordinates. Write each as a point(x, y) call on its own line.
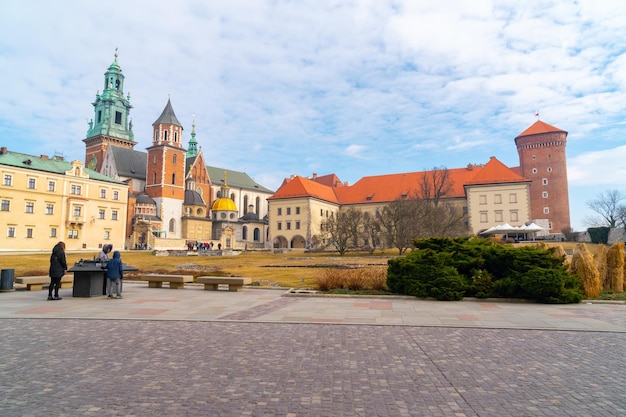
point(44, 156)
point(314, 175)
point(3, 150)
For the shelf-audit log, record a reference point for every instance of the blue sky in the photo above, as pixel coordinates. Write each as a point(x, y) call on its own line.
point(355, 88)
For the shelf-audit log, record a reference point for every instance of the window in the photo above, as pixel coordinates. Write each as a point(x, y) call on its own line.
point(31, 183)
point(107, 235)
point(72, 234)
point(11, 231)
point(546, 210)
point(544, 181)
point(103, 193)
point(7, 179)
point(549, 169)
point(173, 179)
point(544, 194)
point(288, 211)
point(497, 199)
point(29, 233)
point(75, 189)
point(113, 214)
point(53, 232)
point(116, 195)
point(534, 157)
point(288, 225)
point(77, 211)
point(297, 210)
point(280, 211)
point(5, 205)
point(483, 217)
point(482, 199)
point(51, 186)
point(49, 208)
point(279, 226)
point(172, 227)
point(118, 118)
point(174, 159)
point(101, 213)
point(498, 216)
point(534, 170)
point(512, 198)
point(297, 225)
point(30, 207)
point(514, 215)
point(321, 212)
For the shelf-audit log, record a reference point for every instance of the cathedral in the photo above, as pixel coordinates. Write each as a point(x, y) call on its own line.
point(175, 199)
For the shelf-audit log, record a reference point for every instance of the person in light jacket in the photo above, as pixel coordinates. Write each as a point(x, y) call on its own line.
point(58, 266)
point(114, 274)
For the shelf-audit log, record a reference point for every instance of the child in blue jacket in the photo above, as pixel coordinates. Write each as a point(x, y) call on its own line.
point(114, 274)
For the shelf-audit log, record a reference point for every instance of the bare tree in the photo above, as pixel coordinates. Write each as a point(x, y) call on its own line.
point(398, 221)
point(609, 208)
point(343, 230)
point(435, 185)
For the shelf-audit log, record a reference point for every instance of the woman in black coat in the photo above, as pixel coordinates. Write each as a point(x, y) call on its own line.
point(58, 266)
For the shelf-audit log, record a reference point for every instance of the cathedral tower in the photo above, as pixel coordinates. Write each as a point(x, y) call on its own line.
point(165, 173)
point(111, 123)
point(541, 150)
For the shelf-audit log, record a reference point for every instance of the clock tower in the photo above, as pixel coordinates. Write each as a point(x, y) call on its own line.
point(111, 124)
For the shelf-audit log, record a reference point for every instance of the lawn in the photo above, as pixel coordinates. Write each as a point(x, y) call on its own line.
point(293, 270)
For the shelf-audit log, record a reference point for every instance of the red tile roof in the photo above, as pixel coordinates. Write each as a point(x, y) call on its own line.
point(539, 127)
point(387, 188)
point(495, 172)
point(303, 187)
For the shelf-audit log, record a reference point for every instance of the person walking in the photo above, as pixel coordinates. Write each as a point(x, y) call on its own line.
point(114, 274)
point(58, 266)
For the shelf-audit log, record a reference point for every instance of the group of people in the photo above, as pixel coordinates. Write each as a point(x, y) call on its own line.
point(114, 271)
point(202, 246)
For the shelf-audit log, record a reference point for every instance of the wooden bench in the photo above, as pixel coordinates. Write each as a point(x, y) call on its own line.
point(36, 283)
point(175, 281)
point(213, 283)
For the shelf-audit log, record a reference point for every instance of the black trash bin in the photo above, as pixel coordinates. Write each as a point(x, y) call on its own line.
point(6, 279)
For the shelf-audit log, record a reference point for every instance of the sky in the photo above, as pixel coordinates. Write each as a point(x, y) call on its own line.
point(356, 88)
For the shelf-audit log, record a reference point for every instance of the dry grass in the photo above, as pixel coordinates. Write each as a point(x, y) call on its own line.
point(615, 268)
point(358, 279)
point(600, 258)
point(585, 267)
point(295, 269)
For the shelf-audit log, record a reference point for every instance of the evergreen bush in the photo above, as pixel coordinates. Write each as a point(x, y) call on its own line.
point(449, 269)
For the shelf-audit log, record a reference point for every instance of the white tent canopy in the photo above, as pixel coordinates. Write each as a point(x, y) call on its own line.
point(506, 228)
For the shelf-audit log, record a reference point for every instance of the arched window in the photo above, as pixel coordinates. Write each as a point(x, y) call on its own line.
point(244, 234)
point(245, 204)
point(165, 135)
point(173, 178)
point(172, 225)
point(174, 159)
point(232, 196)
point(258, 204)
point(257, 234)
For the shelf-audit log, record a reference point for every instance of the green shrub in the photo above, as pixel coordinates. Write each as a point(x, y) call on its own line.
point(449, 269)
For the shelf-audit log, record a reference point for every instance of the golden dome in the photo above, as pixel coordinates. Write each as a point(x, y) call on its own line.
point(224, 204)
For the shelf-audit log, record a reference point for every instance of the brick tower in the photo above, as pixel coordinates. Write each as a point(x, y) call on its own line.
point(541, 150)
point(111, 123)
point(165, 173)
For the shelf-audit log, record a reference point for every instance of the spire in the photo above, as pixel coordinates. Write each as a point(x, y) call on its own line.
point(193, 144)
point(168, 116)
point(111, 107)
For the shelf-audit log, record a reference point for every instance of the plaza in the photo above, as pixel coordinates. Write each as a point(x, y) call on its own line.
point(269, 352)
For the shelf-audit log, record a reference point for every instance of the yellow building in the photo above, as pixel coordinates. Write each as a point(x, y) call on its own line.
point(46, 200)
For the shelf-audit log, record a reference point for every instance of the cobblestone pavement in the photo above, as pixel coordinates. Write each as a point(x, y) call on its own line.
point(74, 367)
point(162, 352)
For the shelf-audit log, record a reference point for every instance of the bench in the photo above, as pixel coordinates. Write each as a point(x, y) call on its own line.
point(175, 281)
point(213, 283)
point(36, 283)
